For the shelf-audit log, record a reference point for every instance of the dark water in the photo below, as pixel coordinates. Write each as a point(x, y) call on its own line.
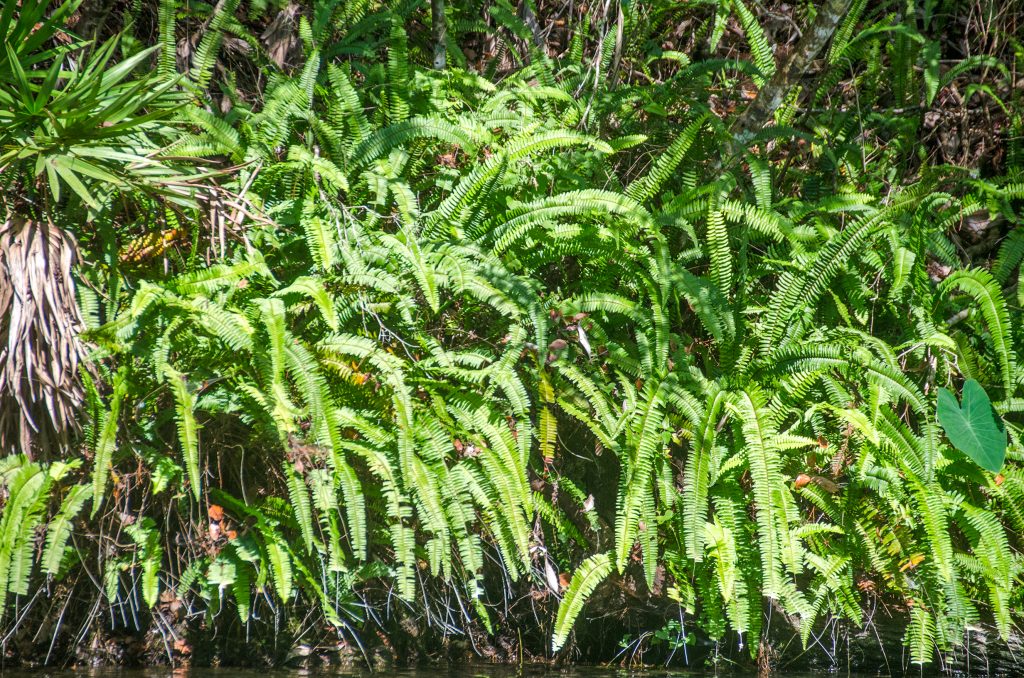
point(437, 672)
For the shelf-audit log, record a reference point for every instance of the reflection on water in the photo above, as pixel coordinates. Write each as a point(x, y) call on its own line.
point(430, 672)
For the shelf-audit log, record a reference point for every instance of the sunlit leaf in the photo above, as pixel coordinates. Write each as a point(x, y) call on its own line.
point(973, 426)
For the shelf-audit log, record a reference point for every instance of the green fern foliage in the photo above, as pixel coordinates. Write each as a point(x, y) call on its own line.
point(372, 344)
point(587, 577)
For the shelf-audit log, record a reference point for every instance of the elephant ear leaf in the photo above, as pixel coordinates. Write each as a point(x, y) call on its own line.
point(973, 426)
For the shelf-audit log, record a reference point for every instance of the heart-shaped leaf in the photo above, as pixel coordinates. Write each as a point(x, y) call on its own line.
point(974, 428)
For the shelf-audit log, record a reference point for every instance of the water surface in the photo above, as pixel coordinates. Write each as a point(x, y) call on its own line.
point(480, 671)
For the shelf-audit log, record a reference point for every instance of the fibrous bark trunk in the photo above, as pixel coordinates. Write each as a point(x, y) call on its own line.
point(40, 348)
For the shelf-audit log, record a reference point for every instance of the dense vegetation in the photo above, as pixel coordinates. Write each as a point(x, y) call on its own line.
point(345, 319)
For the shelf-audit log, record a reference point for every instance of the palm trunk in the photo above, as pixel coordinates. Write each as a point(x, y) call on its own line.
point(40, 349)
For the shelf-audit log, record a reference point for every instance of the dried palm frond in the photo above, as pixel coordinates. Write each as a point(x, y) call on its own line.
point(40, 349)
point(280, 37)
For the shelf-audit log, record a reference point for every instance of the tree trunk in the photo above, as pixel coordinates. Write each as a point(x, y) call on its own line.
point(529, 18)
point(439, 29)
point(771, 96)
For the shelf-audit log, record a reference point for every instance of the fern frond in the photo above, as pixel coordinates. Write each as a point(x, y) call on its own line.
point(696, 477)
point(635, 480)
point(758, 43)
point(985, 291)
point(59, 530)
point(107, 440)
point(771, 495)
point(586, 578)
point(384, 140)
point(648, 185)
point(205, 56)
point(188, 429)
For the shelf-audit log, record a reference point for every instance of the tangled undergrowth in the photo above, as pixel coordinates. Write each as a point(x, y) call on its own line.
point(407, 332)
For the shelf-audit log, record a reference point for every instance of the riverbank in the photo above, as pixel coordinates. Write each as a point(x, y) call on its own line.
point(370, 333)
point(173, 638)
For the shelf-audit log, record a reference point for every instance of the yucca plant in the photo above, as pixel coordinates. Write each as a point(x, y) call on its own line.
point(81, 135)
